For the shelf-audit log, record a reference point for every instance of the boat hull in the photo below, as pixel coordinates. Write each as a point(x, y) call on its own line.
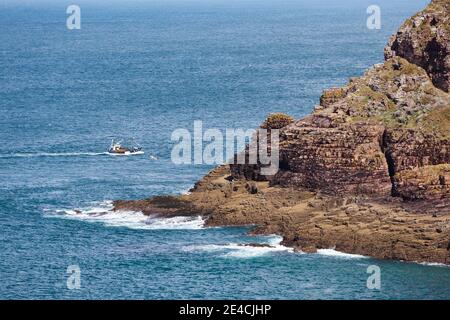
point(126, 153)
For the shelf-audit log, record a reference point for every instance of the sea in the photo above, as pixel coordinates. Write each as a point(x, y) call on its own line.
point(141, 70)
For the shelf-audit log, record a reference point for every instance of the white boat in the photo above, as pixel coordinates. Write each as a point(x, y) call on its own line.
point(118, 149)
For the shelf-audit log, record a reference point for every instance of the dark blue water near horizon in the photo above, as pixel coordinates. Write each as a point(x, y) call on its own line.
point(142, 69)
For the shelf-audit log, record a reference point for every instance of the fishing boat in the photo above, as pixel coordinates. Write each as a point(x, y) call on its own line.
point(117, 148)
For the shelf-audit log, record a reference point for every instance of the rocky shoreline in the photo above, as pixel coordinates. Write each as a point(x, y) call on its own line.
point(368, 172)
point(384, 228)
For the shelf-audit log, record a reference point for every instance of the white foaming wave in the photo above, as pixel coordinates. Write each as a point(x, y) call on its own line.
point(176, 223)
point(104, 214)
point(434, 264)
point(240, 251)
point(274, 239)
point(338, 254)
point(49, 154)
point(236, 250)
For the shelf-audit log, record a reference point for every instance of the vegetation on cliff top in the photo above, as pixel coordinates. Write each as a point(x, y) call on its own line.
point(277, 121)
point(397, 94)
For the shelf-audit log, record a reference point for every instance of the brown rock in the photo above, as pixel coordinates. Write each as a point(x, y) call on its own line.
point(424, 40)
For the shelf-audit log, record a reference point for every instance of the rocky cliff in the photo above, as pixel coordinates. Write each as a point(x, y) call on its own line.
point(424, 40)
point(385, 133)
point(367, 172)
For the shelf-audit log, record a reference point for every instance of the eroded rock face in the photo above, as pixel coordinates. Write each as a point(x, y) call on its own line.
point(418, 161)
point(323, 153)
point(425, 41)
point(424, 183)
point(385, 133)
point(364, 135)
point(371, 135)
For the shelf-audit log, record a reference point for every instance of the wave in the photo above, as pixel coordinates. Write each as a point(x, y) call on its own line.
point(102, 213)
point(338, 254)
point(239, 250)
point(49, 154)
point(434, 264)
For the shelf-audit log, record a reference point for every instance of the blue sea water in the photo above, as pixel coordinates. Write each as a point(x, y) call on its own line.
point(142, 69)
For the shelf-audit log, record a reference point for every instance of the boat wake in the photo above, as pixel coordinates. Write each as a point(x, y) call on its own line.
point(103, 213)
point(238, 250)
point(49, 154)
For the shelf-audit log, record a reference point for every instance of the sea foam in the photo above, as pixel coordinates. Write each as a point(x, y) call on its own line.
point(338, 254)
point(103, 213)
point(434, 264)
point(239, 250)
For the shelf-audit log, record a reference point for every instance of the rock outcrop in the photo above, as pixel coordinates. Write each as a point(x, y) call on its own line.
point(368, 172)
point(320, 153)
point(424, 40)
point(364, 135)
point(381, 228)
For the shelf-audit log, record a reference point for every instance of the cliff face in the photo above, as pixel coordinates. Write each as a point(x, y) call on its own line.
point(385, 133)
point(424, 41)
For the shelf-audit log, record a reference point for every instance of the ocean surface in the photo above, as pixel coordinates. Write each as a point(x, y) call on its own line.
point(143, 69)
